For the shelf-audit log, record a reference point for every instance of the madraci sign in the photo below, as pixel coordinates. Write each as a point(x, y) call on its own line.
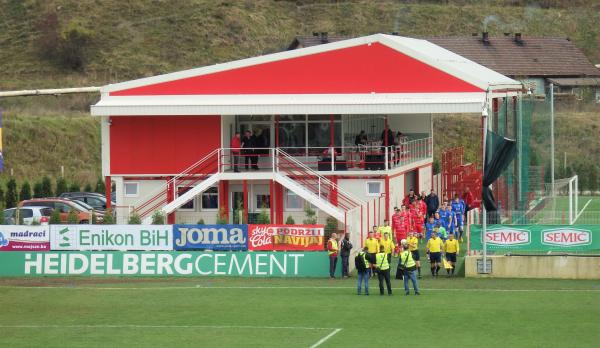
point(165, 263)
point(210, 237)
point(537, 238)
point(111, 237)
point(15, 238)
point(285, 237)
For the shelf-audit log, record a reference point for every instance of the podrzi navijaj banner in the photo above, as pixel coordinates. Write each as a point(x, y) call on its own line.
point(286, 237)
point(111, 237)
point(537, 238)
point(164, 263)
point(210, 237)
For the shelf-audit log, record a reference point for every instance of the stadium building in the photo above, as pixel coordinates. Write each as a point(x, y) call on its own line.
point(166, 139)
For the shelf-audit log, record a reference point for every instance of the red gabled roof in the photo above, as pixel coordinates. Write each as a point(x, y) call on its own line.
point(367, 68)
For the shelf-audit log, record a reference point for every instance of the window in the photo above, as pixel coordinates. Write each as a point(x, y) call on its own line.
point(96, 203)
point(26, 213)
point(373, 188)
point(190, 204)
point(263, 201)
point(210, 199)
point(63, 208)
point(319, 134)
point(46, 211)
point(293, 201)
point(292, 137)
point(131, 189)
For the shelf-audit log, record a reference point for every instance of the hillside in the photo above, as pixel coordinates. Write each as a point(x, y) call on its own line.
point(64, 43)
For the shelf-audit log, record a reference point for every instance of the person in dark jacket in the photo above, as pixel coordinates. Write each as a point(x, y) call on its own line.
point(248, 145)
point(433, 203)
point(345, 249)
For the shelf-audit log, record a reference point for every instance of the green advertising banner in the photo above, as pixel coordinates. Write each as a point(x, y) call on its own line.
point(165, 263)
point(537, 238)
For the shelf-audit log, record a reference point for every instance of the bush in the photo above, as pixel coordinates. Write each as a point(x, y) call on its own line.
point(87, 188)
point(74, 187)
point(200, 222)
point(158, 218)
point(11, 193)
point(25, 191)
point(221, 217)
point(100, 187)
point(35, 222)
point(46, 187)
point(2, 222)
point(311, 215)
point(290, 221)
point(263, 218)
point(55, 218)
point(2, 195)
point(331, 226)
point(37, 190)
point(72, 217)
point(94, 218)
point(61, 186)
point(134, 219)
point(109, 218)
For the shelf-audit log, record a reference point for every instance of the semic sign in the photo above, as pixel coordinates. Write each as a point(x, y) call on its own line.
point(507, 236)
point(285, 237)
point(566, 237)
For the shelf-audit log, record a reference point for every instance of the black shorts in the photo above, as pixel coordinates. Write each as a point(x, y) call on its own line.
point(435, 257)
point(415, 255)
point(371, 257)
point(451, 257)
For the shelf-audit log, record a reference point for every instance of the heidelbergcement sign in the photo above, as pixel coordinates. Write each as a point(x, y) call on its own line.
point(111, 237)
point(210, 237)
point(537, 238)
point(165, 263)
point(24, 238)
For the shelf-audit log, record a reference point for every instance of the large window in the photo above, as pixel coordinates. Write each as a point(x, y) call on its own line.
point(292, 137)
point(263, 201)
point(293, 201)
point(210, 199)
point(190, 204)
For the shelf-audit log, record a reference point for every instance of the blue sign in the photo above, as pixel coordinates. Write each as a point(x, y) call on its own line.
point(210, 237)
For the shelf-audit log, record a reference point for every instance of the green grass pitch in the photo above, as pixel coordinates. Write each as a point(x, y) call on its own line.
point(253, 312)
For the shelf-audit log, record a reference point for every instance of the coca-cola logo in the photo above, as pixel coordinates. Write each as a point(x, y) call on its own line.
point(260, 236)
point(507, 236)
point(566, 237)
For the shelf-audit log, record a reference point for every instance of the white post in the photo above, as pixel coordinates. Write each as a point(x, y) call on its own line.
point(484, 115)
point(319, 187)
point(332, 153)
point(386, 157)
point(570, 202)
point(273, 154)
point(552, 139)
point(219, 160)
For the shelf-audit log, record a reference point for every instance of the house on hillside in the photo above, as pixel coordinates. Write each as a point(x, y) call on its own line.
point(166, 139)
point(537, 62)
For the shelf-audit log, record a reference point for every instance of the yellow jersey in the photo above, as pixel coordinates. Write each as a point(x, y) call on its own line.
point(373, 245)
point(385, 229)
point(413, 243)
point(451, 246)
point(434, 245)
point(388, 245)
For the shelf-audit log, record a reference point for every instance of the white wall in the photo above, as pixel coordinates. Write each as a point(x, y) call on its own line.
point(396, 191)
point(227, 129)
point(425, 183)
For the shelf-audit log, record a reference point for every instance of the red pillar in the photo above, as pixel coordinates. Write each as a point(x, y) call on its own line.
point(279, 203)
point(271, 205)
point(223, 201)
point(245, 189)
point(333, 197)
point(108, 191)
point(170, 198)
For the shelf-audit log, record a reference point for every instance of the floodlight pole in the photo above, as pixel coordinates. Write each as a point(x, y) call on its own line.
point(552, 139)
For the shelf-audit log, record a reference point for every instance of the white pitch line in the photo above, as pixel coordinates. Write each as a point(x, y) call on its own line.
point(322, 340)
point(585, 206)
point(283, 288)
point(164, 327)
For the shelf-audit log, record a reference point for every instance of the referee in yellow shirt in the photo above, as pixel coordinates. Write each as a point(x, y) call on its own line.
point(388, 245)
point(413, 247)
point(372, 245)
point(451, 249)
point(434, 248)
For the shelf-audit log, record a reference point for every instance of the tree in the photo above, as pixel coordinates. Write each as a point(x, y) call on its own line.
point(290, 221)
point(72, 217)
point(74, 187)
point(311, 215)
point(46, 187)
point(2, 222)
point(331, 226)
point(109, 218)
point(11, 193)
point(25, 191)
point(2, 196)
point(593, 178)
point(88, 188)
point(134, 219)
point(55, 218)
point(61, 186)
point(221, 217)
point(263, 218)
point(94, 218)
point(37, 190)
point(158, 218)
point(100, 187)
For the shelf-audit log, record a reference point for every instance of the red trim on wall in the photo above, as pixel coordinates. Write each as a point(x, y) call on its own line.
point(369, 68)
point(271, 203)
point(108, 191)
point(170, 198)
point(223, 197)
point(279, 202)
point(162, 144)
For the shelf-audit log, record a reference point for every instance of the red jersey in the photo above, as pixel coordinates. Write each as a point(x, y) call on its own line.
point(468, 198)
point(396, 222)
point(423, 208)
point(235, 145)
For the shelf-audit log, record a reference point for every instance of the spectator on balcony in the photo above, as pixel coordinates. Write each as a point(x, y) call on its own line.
point(248, 144)
point(361, 139)
point(236, 144)
point(433, 203)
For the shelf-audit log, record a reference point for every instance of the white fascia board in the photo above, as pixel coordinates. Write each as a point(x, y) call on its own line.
point(236, 64)
point(450, 62)
point(418, 103)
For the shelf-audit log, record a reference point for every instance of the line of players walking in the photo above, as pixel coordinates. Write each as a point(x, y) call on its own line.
point(415, 222)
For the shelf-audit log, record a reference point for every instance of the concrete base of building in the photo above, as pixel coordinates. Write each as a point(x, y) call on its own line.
point(557, 267)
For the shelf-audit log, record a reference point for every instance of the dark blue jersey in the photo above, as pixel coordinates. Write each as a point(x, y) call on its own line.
point(458, 207)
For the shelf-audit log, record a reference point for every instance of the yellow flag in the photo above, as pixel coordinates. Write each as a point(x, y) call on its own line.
point(447, 264)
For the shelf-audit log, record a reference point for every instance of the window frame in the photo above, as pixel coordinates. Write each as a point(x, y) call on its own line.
point(369, 194)
point(285, 204)
point(137, 188)
point(202, 208)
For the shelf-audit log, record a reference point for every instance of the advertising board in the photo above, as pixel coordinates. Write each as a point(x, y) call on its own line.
point(286, 237)
point(165, 263)
point(111, 237)
point(210, 237)
point(24, 238)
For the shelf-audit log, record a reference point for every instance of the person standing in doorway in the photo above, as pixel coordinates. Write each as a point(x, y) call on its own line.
point(236, 144)
point(383, 270)
point(345, 249)
point(332, 250)
point(433, 203)
point(248, 149)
